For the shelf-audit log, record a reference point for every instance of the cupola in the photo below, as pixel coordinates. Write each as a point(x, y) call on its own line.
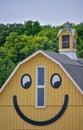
point(67, 41)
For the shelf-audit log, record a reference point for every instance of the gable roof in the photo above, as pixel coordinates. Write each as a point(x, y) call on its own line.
point(67, 28)
point(72, 32)
point(73, 69)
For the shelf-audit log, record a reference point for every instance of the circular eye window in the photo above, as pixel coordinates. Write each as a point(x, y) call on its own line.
point(55, 80)
point(26, 81)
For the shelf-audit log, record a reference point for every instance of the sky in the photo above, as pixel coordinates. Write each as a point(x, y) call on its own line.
point(46, 12)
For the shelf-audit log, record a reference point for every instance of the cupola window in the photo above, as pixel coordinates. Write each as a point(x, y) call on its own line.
point(65, 41)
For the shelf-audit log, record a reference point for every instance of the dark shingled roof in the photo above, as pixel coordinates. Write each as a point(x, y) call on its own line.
point(73, 67)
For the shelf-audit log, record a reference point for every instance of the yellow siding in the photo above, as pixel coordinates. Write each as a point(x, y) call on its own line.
point(71, 41)
point(69, 121)
point(81, 117)
point(72, 119)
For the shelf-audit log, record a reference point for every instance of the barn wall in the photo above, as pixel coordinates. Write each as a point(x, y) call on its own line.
point(72, 119)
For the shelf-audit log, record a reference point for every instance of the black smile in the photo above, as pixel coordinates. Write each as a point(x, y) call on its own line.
point(40, 123)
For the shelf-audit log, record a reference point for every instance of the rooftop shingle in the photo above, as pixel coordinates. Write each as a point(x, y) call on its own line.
point(74, 68)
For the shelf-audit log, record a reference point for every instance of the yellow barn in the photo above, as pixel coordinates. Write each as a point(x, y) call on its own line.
point(45, 91)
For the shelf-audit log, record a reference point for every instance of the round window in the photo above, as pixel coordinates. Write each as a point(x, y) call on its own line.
point(55, 80)
point(26, 81)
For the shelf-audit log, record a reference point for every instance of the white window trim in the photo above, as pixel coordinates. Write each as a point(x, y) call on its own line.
point(41, 86)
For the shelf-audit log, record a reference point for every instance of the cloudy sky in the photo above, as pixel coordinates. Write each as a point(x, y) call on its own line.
point(53, 12)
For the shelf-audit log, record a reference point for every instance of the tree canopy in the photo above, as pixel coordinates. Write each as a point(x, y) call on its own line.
point(18, 41)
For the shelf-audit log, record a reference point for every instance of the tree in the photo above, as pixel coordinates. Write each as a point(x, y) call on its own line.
point(18, 28)
point(28, 28)
point(18, 41)
point(3, 33)
point(36, 28)
point(6, 67)
point(32, 28)
point(80, 47)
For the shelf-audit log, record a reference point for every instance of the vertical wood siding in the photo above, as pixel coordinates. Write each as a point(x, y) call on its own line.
point(72, 119)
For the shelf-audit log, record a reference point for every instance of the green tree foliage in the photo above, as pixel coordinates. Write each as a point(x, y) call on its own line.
point(3, 33)
point(32, 28)
point(79, 29)
point(18, 28)
point(6, 66)
point(18, 41)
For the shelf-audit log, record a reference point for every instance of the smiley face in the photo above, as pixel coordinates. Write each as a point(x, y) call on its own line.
point(55, 82)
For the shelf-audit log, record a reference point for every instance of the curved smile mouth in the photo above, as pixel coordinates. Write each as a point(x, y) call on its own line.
point(41, 123)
